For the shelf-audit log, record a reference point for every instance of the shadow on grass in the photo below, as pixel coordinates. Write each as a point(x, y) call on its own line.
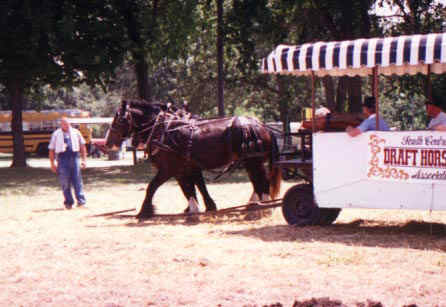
point(369, 233)
point(27, 180)
point(182, 219)
point(413, 234)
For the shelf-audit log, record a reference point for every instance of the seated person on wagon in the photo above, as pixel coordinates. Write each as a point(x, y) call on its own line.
point(368, 124)
point(322, 112)
point(434, 110)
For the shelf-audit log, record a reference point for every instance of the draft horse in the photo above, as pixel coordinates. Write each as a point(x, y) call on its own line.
point(182, 146)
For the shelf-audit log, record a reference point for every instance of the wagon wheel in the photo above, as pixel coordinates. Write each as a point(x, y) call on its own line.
point(328, 215)
point(299, 208)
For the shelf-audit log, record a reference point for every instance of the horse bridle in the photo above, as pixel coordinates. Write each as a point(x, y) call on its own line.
point(122, 120)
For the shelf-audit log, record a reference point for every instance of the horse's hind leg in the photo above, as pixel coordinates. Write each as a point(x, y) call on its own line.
point(257, 175)
point(188, 187)
point(147, 210)
point(208, 201)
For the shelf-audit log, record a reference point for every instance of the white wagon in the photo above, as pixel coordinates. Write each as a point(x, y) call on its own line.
point(388, 170)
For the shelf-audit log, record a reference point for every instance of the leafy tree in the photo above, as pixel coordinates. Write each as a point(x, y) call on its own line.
point(220, 64)
point(61, 43)
point(155, 30)
point(193, 76)
point(256, 27)
point(411, 17)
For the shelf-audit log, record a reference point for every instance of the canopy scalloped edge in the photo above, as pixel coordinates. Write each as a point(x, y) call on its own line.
point(391, 55)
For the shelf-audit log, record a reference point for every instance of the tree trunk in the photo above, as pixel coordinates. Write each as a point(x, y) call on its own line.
point(220, 82)
point(341, 94)
point(283, 104)
point(142, 76)
point(329, 92)
point(128, 10)
point(354, 88)
point(15, 90)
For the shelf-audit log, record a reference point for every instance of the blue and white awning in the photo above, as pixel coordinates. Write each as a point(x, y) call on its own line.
point(392, 55)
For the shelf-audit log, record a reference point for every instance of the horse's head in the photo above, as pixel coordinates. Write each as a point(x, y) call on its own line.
point(120, 128)
point(143, 113)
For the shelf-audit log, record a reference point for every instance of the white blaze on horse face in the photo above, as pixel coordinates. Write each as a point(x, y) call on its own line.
point(193, 205)
point(254, 197)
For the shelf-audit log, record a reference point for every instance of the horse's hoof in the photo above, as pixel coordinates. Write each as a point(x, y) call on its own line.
point(142, 217)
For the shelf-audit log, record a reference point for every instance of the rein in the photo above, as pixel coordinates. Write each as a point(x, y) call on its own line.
point(149, 139)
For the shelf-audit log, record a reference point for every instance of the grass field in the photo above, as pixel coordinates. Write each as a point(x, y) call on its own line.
point(55, 257)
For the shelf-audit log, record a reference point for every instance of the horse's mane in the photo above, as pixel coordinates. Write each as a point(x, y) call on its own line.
point(145, 106)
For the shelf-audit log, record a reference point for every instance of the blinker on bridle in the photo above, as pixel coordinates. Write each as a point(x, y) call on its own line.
point(123, 119)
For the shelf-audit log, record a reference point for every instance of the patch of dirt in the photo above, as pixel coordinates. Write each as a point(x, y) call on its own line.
point(84, 257)
point(326, 302)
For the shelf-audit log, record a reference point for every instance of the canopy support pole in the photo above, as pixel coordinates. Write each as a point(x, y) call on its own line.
point(429, 84)
point(313, 105)
point(375, 94)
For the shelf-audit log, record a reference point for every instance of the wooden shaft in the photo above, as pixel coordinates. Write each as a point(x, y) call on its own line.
point(313, 112)
point(375, 94)
point(429, 84)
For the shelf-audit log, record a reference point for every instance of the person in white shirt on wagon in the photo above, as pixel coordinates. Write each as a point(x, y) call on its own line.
point(368, 124)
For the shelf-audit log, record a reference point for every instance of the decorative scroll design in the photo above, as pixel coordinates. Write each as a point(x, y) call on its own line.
point(375, 170)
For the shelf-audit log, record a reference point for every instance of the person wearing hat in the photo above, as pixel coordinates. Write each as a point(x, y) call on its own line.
point(434, 109)
point(368, 124)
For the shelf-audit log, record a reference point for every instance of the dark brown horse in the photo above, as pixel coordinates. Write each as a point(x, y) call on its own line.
point(181, 146)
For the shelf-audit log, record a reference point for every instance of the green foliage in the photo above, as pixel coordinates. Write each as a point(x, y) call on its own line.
point(404, 97)
point(83, 41)
point(404, 111)
point(59, 42)
point(92, 99)
point(158, 29)
point(414, 17)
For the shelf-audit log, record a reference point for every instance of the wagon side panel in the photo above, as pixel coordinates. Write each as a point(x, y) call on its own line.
point(388, 170)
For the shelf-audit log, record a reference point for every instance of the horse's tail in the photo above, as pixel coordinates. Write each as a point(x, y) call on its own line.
point(275, 173)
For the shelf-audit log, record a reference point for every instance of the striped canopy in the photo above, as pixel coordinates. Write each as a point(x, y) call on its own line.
point(391, 55)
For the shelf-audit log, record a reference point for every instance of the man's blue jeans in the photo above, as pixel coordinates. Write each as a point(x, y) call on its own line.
point(69, 172)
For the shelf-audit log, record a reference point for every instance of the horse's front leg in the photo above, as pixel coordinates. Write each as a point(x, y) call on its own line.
point(188, 187)
point(208, 201)
point(147, 209)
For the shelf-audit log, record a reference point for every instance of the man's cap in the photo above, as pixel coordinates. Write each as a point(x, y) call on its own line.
point(369, 102)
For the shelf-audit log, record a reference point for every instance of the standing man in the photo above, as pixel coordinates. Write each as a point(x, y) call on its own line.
point(368, 124)
point(435, 112)
point(65, 145)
